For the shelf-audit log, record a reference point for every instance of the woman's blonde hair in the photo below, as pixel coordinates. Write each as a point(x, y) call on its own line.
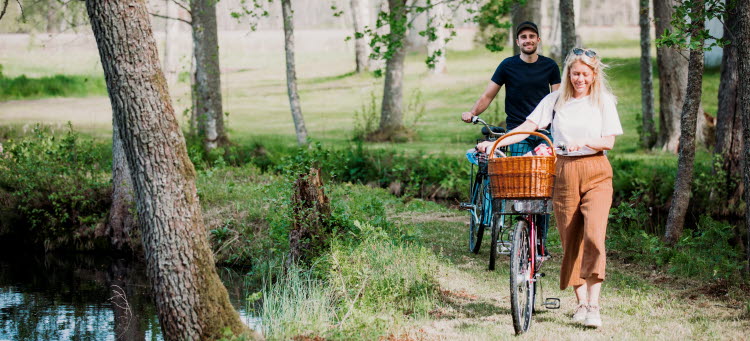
point(600, 86)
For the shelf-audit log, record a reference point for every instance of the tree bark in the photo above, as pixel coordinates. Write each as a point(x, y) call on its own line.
point(360, 19)
point(121, 227)
point(743, 61)
point(531, 11)
point(311, 216)
point(291, 73)
point(171, 37)
point(673, 69)
point(729, 122)
point(688, 118)
point(648, 132)
point(190, 299)
point(208, 107)
point(567, 27)
point(391, 115)
point(437, 18)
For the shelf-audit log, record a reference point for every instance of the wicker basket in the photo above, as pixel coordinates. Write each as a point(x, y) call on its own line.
point(521, 177)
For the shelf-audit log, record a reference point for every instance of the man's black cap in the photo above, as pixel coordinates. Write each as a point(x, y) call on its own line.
point(524, 25)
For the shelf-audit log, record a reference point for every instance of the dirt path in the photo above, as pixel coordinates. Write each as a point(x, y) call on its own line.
point(637, 303)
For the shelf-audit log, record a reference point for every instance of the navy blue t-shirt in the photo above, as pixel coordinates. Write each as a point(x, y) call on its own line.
point(525, 85)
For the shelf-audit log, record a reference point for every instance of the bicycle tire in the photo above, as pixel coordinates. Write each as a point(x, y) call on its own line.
point(476, 228)
point(522, 289)
point(497, 228)
point(493, 241)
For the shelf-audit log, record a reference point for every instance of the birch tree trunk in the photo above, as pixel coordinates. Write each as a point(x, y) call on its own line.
point(208, 108)
point(531, 11)
point(743, 60)
point(190, 299)
point(673, 70)
point(437, 18)
point(291, 73)
point(729, 123)
point(648, 133)
point(171, 39)
point(360, 19)
point(688, 118)
point(391, 116)
point(567, 27)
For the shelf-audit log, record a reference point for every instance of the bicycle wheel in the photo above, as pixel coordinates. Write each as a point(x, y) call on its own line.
point(497, 228)
point(476, 228)
point(521, 285)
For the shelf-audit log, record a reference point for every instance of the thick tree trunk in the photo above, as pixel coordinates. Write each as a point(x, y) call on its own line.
point(743, 61)
point(688, 118)
point(729, 124)
point(191, 301)
point(291, 73)
point(121, 226)
point(436, 52)
point(311, 208)
point(648, 132)
point(531, 11)
point(171, 38)
point(208, 108)
point(568, 27)
point(673, 69)
point(360, 19)
point(391, 115)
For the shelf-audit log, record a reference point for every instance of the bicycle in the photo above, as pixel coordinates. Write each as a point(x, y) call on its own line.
point(480, 204)
point(529, 200)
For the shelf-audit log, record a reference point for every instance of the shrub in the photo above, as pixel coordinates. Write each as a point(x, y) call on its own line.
point(58, 187)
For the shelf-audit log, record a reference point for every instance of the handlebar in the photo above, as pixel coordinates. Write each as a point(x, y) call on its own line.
point(488, 130)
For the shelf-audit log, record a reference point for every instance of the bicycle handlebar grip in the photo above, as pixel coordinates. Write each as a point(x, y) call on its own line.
point(491, 152)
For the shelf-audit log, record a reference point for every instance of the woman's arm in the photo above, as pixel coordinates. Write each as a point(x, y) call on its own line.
point(598, 144)
point(525, 127)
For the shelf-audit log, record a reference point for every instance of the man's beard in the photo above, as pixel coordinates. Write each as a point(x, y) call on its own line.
point(530, 52)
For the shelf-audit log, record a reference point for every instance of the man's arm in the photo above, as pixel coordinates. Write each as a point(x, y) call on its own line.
point(555, 86)
point(483, 102)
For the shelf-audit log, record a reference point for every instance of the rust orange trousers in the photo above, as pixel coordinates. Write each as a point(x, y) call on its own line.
point(581, 201)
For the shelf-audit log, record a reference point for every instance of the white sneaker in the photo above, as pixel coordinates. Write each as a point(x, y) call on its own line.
point(579, 314)
point(593, 318)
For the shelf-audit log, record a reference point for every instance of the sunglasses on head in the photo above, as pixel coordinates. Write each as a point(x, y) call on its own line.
point(588, 53)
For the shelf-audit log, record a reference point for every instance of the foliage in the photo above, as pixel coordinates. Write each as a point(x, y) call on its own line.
point(682, 24)
point(22, 87)
point(366, 120)
point(494, 23)
point(59, 186)
point(708, 251)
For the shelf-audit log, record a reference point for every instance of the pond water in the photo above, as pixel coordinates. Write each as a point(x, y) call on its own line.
point(85, 297)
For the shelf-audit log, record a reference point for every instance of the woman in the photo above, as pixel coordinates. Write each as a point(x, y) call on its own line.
point(583, 118)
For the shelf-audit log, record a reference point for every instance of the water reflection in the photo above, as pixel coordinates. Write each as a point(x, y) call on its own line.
point(78, 297)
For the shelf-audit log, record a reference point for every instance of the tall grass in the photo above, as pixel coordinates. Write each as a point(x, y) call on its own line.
point(22, 87)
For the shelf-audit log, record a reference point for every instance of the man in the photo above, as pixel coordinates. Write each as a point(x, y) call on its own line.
point(527, 77)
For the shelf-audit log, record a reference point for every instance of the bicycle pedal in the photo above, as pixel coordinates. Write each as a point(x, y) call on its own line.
point(503, 248)
point(466, 206)
point(539, 274)
point(552, 303)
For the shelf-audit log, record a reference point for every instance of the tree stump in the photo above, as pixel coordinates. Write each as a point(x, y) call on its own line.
point(311, 213)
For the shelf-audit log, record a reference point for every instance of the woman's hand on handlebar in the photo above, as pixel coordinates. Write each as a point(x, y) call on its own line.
point(467, 116)
point(482, 147)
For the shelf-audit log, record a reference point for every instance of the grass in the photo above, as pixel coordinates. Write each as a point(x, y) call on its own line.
point(22, 87)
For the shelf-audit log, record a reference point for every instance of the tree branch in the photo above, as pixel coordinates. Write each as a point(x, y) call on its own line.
point(5, 7)
point(170, 18)
point(183, 7)
point(23, 16)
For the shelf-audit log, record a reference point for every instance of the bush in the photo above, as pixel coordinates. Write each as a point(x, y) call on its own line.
point(57, 187)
